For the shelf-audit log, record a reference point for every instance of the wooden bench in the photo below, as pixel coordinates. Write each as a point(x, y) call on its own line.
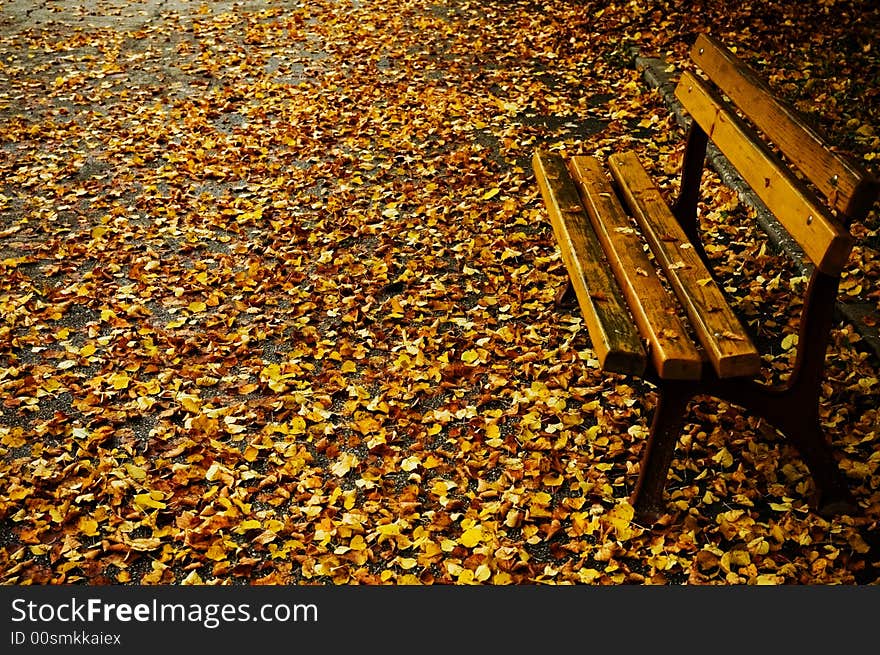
point(689, 341)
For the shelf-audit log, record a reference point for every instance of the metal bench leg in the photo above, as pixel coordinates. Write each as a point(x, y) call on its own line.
point(795, 414)
point(832, 493)
point(669, 415)
point(565, 296)
point(794, 411)
point(802, 425)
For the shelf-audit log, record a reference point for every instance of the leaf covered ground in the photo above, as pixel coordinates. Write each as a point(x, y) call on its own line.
point(278, 295)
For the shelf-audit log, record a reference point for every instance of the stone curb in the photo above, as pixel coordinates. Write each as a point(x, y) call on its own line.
point(659, 75)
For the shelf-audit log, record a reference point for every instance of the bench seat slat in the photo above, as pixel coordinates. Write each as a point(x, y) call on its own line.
point(613, 334)
point(727, 344)
point(825, 241)
point(672, 352)
point(849, 188)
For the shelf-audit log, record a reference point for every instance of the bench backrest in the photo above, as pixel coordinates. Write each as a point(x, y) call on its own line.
point(818, 224)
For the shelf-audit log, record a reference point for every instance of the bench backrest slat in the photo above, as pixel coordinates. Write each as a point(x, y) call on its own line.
point(849, 189)
point(824, 239)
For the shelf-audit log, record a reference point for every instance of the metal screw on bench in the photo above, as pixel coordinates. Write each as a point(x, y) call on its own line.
point(833, 180)
point(810, 219)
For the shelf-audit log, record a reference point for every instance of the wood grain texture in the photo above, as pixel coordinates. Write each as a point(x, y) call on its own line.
point(717, 327)
point(612, 331)
point(671, 350)
point(824, 239)
point(848, 187)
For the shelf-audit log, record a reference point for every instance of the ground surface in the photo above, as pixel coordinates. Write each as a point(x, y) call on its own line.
point(278, 298)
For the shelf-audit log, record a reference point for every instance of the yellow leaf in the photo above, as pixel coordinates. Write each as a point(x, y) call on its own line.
point(388, 529)
point(734, 558)
point(190, 403)
point(502, 578)
point(470, 356)
point(740, 557)
point(51, 385)
point(88, 526)
point(471, 537)
point(14, 438)
point(150, 500)
point(865, 130)
point(344, 464)
point(197, 306)
point(297, 425)
point(216, 551)
point(151, 387)
point(588, 576)
point(136, 472)
point(620, 518)
point(493, 431)
point(432, 462)
point(542, 498)
point(193, 579)
point(17, 492)
point(723, 457)
point(119, 380)
point(251, 216)
point(144, 544)
point(491, 193)
point(410, 463)
point(213, 472)
point(348, 366)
